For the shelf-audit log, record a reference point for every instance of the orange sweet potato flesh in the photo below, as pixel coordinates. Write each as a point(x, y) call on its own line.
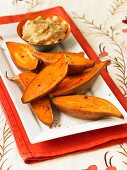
point(86, 107)
point(21, 55)
point(46, 80)
point(25, 78)
point(78, 84)
point(41, 107)
point(76, 63)
point(22, 79)
point(80, 54)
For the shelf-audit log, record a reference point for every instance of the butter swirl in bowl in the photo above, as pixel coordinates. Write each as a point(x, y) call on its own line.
point(43, 32)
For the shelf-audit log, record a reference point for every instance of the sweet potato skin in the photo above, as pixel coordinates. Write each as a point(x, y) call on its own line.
point(22, 79)
point(76, 63)
point(25, 78)
point(46, 80)
point(41, 107)
point(86, 107)
point(21, 55)
point(78, 84)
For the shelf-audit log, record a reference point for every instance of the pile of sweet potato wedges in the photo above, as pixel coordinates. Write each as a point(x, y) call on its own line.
point(61, 78)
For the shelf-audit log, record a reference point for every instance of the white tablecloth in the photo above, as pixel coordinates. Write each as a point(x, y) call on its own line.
point(101, 22)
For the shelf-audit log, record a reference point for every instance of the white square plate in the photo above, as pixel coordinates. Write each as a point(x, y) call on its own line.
point(63, 124)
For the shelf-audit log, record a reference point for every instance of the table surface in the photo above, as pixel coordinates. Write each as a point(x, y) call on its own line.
point(106, 21)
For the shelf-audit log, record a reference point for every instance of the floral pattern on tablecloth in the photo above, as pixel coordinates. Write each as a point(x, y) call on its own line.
point(6, 141)
point(108, 38)
point(109, 156)
point(111, 40)
point(24, 6)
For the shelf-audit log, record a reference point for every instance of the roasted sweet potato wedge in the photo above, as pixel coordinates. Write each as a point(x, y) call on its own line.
point(80, 54)
point(86, 107)
point(49, 58)
point(76, 63)
point(21, 55)
point(78, 84)
point(22, 79)
point(41, 107)
point(46, 80)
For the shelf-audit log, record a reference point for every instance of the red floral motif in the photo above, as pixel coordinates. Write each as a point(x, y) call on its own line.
point(124, 30)
point(111, 168)
point(103, 53)
point(108, 163)
point(125, 20)
point(94, 167)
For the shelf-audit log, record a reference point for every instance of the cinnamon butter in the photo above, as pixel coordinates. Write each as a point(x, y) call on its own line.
point(44, 31)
